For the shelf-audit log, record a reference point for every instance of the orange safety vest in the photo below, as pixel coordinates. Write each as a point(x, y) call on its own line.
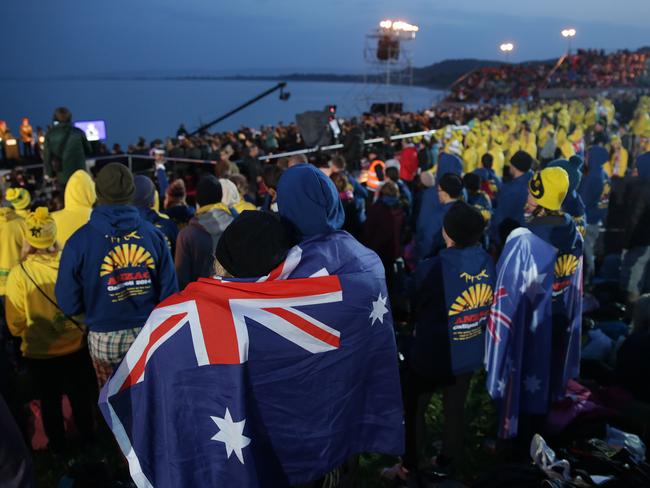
point(373, 183)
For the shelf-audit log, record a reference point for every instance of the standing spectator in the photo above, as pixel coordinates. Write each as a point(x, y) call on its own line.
point(66, 147)
point(509, 212)
point(352, 223)
point(175, 204)
point(618, 156)
point(144, 200)
point(27, 138)
point(246, 200)
point(573, 204)
point(79, 198)
point(52, 343)
point(198, 240)
point(409, 162)
point(393, 173)
point(115, 269)
point(12, 229)
point(636, 241)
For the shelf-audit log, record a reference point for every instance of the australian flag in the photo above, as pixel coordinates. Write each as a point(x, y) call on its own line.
point(519, 339)
point(268, 383)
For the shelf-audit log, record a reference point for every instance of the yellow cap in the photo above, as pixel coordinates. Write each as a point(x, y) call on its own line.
point(549, 187)
point(41, 228)
point(19, 198)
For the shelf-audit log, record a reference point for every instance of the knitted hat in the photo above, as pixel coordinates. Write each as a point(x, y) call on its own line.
point(522, 161)
point(393, 163)
point(573, 167)
point(464, 224)
point(451, 184)
point(19, 198)
point(114, 185)
point(208, 191)
point(549, 187)
point(239, 250)
point(40, 229)
point(145, 191)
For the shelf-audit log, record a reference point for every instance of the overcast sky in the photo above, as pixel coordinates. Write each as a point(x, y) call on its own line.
point(79, 37)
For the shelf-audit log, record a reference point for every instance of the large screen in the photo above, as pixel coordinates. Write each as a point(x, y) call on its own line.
point(95, 129)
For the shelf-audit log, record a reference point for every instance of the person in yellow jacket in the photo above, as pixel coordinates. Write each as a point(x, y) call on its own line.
point(79, 198)
point(12, 230)
point(232, 199)
point(496, 151)
point(470, 154)
point(618, 157)
point(20, 200)
point(52, 344)
point(528, 141)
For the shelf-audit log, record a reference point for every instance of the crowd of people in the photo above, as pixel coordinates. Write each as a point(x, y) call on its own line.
point(586, 68)
point(495, 195)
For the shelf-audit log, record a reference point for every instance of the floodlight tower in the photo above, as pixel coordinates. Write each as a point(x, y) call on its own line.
point(568, 34)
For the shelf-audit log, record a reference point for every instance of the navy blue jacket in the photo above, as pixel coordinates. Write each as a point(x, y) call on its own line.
point(115, 269)
point(510, 205)
point(594, 188)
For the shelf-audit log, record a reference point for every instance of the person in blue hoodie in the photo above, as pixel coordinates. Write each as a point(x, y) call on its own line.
point(490, 182)
point(511, 200)
point(428, 234)
point(573, 204)
point(452, 295)
point(448, 163)
point(143, 200)
point(594, 190)
point(635, 266)
point(115, 269)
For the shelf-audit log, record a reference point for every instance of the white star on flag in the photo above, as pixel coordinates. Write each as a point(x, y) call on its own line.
point(532, 384)
point(532, 280)
point(378, 310)
point(232, 435)
point(501, 387)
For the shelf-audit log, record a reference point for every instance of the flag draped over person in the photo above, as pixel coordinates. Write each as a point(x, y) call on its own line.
point(268, 383)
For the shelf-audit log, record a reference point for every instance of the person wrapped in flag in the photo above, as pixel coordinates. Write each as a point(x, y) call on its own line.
point(265, 381)
point(533, 341)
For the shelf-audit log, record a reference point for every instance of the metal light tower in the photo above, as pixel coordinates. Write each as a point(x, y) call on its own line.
point(568, 34)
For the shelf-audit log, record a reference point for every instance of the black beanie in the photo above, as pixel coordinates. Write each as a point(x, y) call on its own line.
point(472, 182)
point(114, 185)
point(451, 184)
point(464, 224)
point(208, 191)
point(522, 161)
point(253, 244)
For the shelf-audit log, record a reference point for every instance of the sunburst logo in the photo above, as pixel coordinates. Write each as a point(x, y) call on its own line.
point(566, 265)
point(474, 297)
point(125, 256)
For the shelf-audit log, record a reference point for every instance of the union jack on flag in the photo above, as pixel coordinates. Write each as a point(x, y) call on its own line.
point(268, 383)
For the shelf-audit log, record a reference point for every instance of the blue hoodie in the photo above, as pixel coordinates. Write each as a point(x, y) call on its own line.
point(428, 235)
point(115, 270)
point(510, 205)
point(594, 188)
point(309, 200)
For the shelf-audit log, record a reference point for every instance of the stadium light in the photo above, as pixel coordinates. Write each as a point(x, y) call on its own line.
point(398, 26)
point(568, 34)
point(506, 48)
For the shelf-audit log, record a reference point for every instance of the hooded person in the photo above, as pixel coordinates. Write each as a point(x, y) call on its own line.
point(594, 190)
point(636, 240)
point(448, 342)
point(52, 345)
point(12, 230)
point(20, 200)
point(115, 269)
point(428, 234)
point(232, 199)
point(573, 204)
point(509, 213)
point(79, 198)
point(144, 199)
point(197, 242)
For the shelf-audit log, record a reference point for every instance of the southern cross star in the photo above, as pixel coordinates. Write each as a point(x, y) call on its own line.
point(378, 310)
point(232, 435)
point(532, 384)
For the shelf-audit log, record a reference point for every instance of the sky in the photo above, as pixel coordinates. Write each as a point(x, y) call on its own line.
point(89, 37)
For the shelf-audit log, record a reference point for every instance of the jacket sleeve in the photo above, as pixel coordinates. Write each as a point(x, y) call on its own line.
point(163, 182)
point(15, 303)
point(69, 282)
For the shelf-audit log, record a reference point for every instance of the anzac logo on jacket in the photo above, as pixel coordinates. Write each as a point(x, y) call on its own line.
point(127, 269)
point(565, 267)
point(470, 309)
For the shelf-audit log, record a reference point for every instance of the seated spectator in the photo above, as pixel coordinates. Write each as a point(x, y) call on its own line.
point(198, 240)
point(52, 343)
point(79, 198)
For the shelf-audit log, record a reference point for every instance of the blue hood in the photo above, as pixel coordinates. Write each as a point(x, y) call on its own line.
point(597, 156)
point(309, 200)
point(449, 163)
point(115, 220)
point(643, 166)
point(573, 167)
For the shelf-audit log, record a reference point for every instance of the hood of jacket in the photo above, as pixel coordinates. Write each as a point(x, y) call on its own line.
point(115, 220)
point(309, 200)
point(449, 163)
point(80, 190)
point(643, 166)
